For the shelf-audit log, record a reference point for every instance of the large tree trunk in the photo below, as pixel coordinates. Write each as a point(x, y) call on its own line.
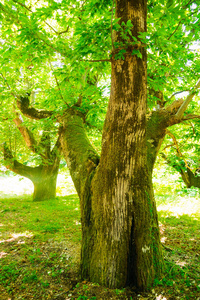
point(120, 234)
point(124, 247)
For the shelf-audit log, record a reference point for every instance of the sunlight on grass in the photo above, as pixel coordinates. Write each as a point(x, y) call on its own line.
point(18, 185)
point(161, 297)
point(182, 206)
point(2, 254)
point(15, 236)
point(65, 185)
point(15, 185)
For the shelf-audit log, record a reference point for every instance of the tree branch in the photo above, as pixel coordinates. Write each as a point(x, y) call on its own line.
point(96, 60)
point(57, 83)
point(13, 165)
point(56, 151)
point(175, 30)
point(26, 133)
point(190, 117)
point(175, 142)
point(8, 85)
point(30, 112)
point(10, 15)
point(176, 93)
point(188, 99)
point(172, 108)
point(64, 31)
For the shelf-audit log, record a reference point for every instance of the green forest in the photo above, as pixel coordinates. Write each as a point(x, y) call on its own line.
point(99, 149)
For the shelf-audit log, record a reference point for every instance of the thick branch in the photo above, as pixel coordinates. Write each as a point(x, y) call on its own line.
point(13, 165)
point(27, 134)
point(30, 112)
point(81, 157)
point(44, 147)
point(173, 107)
point(57, 147)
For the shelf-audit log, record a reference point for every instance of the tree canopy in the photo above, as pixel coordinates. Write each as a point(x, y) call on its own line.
point(59, 59)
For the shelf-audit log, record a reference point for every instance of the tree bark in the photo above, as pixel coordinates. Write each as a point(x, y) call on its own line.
point(124, 246)
point(44, 181)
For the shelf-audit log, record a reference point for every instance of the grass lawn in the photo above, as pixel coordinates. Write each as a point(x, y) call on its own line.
point(40, 246)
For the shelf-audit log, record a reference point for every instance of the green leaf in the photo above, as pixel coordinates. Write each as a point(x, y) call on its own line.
point(137, 52)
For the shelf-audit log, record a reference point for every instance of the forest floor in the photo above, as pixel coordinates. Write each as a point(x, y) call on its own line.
point(40, 250)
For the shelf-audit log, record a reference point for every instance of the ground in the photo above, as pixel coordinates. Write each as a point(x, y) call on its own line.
point(40, 248)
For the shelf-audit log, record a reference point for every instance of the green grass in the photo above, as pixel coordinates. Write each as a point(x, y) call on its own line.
point(179, 218)
point(20, 215)
point(39, 245)
point(40, 249)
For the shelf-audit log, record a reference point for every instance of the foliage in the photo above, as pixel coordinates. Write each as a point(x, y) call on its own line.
point(57, 51)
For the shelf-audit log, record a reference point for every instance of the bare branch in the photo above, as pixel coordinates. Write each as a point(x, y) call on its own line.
point(175, 30)
point(190, 117)
point(189, 3)
point(64, 31)
point(174, 106)
point(175, 143)
point(96, 60)
point(176, 93)
point(188, 99)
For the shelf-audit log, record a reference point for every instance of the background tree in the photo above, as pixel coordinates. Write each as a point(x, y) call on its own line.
point(43, 176)
point(120, 240)
point(183, 154)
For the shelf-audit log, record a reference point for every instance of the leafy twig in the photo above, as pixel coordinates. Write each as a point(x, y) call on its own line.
point(23, 5)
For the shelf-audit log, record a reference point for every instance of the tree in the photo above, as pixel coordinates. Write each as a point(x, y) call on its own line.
point(187, 166)
point(44, 176)
point(120, 234)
